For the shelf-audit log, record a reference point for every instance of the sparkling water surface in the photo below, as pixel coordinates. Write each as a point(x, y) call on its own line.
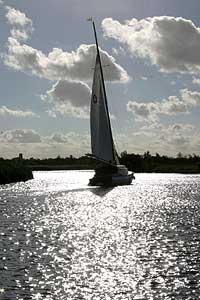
point(61, 239)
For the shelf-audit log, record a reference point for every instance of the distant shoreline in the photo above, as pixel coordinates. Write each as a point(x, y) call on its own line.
point(20, 169)
point(82, 168)
point(59, 167)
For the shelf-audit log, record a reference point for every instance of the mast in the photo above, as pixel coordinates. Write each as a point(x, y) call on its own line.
point(104, 89)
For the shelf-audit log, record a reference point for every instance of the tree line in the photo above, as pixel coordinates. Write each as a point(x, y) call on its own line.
point(135, 162)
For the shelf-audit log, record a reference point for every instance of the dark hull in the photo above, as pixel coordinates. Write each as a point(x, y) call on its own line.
point(111, 180)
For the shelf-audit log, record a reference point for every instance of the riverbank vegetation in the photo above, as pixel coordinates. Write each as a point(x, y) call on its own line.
point(14, 171)
point(135, 162)
point(161, 163)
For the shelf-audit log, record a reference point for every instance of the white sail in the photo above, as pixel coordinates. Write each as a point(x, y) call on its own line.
point(103, 148)
point(101, 135)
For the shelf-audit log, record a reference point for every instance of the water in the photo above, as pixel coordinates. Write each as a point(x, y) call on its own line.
point(60, 239)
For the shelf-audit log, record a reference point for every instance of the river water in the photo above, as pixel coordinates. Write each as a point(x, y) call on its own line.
point(60, 239)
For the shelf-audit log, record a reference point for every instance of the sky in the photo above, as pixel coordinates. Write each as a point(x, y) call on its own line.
point(150, 51)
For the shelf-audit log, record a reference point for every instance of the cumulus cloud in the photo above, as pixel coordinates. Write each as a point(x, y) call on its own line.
point(28, 136)
point(77, 93)
point(59, 138)
point(60, 65)
point(16, 17)
point(171, 43)
point(168, 140)
point(179, 141)
point(178, 136)
point(180, 128)
point(119, 51)
point(144, 111)
point(172, 106)
point(171, 130)
point(20, 136)
point(157, 138)
point(5, 111)
point(70, 95)
point(66, 109)
point(71, 139)
point(196, 80)
point(19, 35)
point(151, 128)
point(32, 144)
point(150, 111)
point(22, 26)
point(191, 98)
point(23, 57)
point(160, 138)
point(69, 98)
point(57, 64)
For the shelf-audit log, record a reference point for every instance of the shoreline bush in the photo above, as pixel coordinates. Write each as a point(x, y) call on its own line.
point(14, 171)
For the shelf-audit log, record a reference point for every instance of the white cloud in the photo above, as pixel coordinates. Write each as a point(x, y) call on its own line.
point(60, 65)
point(180, 128)
point(22, 26)
point(19, 35)
point(20, 136)
point(173, 130)
point(151, 128)
point(72, 139)
point(169, 42)
point(115, 51)
point(196, 80)
point(16, 17)
point(69, 98)
point(66, 109)
point(178, 142)
point(119, 51)
point(191, 98)
point(32, 144)
point(59, 138)
point(5, 111)
point(144, 111)
point(75, 92)
point(167, 140)
point(150, 111)
point(172, 106)
point(70, 69)
point(178, 137)
point(157, 138)
point(23, 57)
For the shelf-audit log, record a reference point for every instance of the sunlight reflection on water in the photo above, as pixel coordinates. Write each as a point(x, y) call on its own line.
point(60, 239)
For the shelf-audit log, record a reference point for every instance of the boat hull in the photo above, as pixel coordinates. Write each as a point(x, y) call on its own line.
point(112, 180)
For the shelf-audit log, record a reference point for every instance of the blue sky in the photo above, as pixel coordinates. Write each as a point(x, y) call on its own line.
point(153, 83)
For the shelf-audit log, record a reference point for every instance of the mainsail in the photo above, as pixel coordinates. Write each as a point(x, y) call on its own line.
point(103, 148)
point(101, 135)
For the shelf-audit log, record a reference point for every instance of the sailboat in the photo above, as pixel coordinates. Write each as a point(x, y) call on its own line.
point(108, 171)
